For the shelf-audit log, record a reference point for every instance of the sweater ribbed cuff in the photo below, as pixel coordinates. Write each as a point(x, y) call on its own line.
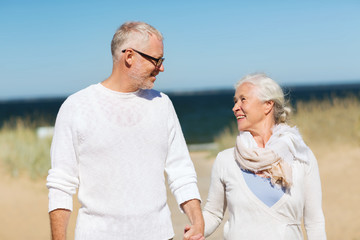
point(185, 193)
point(59, 200)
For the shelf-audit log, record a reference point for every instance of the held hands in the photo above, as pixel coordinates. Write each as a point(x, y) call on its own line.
point(193, 210)
point(193, 232)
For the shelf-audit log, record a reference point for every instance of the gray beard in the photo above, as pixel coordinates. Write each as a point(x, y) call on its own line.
point(140, 82)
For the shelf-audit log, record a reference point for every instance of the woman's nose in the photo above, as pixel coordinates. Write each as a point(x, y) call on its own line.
point(236, 107)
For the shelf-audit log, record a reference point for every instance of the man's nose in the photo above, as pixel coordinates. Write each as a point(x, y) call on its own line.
point(161, 68)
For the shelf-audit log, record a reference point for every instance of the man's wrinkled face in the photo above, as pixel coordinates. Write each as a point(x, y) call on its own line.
point(144, 70)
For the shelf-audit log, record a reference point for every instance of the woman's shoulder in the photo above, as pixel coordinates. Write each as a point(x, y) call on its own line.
point(225, 163)
point(226, 152)
point(226, 156)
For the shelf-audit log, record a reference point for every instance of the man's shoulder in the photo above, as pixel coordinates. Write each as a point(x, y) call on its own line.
point(84, 91)
point(79, 96)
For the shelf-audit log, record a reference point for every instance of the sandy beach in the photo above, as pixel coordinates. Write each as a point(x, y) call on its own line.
point(24, 201)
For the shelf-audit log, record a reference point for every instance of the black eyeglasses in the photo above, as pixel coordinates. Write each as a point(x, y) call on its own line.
point(158, 61)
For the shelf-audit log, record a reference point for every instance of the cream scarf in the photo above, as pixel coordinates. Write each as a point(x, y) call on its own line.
point(284, 146)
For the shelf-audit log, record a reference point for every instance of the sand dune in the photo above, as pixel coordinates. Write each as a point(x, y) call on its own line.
point(24, 214)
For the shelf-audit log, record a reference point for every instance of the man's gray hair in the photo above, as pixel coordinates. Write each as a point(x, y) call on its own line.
point(129, 34)
point(268, 90)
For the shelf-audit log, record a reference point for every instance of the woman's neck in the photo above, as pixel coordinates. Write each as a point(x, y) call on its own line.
point(262, 136)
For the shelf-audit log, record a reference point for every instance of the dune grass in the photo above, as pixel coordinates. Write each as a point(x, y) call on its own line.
point(333, 121)
point(22, 152)
point(325, 122)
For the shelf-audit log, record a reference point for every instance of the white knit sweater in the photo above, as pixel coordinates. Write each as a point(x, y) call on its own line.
point(250, 218)
point(114, 147)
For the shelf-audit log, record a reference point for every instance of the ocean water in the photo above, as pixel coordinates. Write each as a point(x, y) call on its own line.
point(202, 114)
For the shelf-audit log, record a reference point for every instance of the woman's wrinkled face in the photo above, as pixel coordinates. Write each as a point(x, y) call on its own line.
point(249, 110)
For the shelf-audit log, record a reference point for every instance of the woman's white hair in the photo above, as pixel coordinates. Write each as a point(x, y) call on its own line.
point(129, 34)
point(268, 90)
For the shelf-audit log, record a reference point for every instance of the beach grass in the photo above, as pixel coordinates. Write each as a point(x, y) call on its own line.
point(321, 122)
point(22, 152)
point(329, 122)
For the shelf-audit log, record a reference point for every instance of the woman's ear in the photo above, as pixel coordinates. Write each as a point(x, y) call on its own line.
point(269, 105)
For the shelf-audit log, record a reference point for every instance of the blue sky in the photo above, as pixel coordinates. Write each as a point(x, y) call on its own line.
point(55, 48)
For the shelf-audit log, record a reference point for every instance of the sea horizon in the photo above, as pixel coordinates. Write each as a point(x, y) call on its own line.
point(347, 84)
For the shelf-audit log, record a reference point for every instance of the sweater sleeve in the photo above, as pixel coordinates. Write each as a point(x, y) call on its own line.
point(216, 204)
point(180, 170)
point(62, 180)
point(313, 215)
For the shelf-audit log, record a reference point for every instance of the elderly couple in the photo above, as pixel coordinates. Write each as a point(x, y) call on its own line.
point(114, 140)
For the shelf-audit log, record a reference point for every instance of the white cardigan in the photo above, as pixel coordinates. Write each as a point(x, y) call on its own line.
point(115, 147)
point(250, 218)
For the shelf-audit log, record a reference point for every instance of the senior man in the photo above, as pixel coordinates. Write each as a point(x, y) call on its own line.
point(113, 141)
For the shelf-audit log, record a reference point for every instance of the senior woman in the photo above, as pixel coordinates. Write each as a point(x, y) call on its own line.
point(270, 180)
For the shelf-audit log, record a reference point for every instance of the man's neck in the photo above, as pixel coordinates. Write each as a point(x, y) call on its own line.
point(119, 82)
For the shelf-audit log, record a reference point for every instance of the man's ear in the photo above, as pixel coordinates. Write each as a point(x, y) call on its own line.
point(129, 57)
point(269, 105)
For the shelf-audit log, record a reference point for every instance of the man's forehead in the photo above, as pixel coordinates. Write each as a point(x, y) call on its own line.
point(156, 45)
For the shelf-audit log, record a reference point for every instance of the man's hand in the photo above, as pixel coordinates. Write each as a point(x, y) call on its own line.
point(194, 237)
point(59, 220)
point(193, 211)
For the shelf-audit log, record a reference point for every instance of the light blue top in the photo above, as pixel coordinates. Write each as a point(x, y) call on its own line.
point(262, 188)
